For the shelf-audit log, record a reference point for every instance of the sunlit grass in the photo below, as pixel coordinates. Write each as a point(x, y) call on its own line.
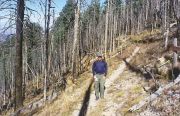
point(137, 89)
point(99, 109)
point(144, 34)
point(120, 94)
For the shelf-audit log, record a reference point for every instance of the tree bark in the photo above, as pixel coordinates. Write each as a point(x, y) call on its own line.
point(18, 57)
point(106, 28)
point(5, 77)
point(166, 38)
point(48, 58)
point(76, 33)
point(25, 68)
point(175, 56)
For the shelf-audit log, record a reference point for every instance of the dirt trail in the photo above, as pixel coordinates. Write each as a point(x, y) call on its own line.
point(92, 103)
point(121, 95)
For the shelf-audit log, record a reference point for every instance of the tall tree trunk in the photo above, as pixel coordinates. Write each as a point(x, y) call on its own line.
point(106, 28)
point(5, 77)
point(165, 13)
point(25, 68)
point(127, 19)
point(115, 32)
point(18, 57)
point(47, 69)
point(48, 40)
point(131, 18)
point(166, 37)
point(147, 11)
point(76, 33)
point(175, 56)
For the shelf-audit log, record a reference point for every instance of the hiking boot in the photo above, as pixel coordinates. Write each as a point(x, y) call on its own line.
point(97, 98)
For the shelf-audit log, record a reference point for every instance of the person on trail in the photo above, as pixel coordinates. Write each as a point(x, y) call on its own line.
point(99, 70)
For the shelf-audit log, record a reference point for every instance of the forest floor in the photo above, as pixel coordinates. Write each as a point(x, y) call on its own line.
point(121, 93)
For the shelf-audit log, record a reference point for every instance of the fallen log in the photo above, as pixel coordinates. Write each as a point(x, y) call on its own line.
point(154, 95)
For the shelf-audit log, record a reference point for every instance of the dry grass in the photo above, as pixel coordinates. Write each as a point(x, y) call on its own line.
point(120, 94)
point(136, 89)
point(67, 101)
point(129, 103)
point(118, 97)
point(111, 91)
point(99, 109)
point(144, 34)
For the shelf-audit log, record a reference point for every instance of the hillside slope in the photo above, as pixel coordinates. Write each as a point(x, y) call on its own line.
point(123, 92)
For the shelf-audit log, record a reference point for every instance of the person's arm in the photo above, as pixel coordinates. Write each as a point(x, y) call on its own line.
point(106, 68)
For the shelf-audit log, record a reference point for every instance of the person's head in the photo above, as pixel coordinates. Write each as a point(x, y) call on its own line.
point(99, 56)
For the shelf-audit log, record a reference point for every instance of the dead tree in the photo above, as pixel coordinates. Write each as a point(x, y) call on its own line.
point(76, 33)
point(106, 29)
point(47, 22)
point(19, 55)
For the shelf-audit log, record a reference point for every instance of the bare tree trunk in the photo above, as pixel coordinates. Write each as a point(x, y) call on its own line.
point(47, 69)
point(127, 19)
point(12, 83)
point(175, 56)
point(48, 40)
point(165, 15)
point(42, 57)
point(18, 58)
point(64, 57)
point(131, 18)
point(166, 37)
point(25, 68)
point(5, 77)
point(106, 28)
point(76, 33)
point(147, 8)
point(115, 32)
point(139, 18)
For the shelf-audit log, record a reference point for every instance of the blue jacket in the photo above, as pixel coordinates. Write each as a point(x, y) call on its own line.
point(99, 67)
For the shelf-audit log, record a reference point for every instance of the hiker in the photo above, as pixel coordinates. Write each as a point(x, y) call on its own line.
point(99, 70)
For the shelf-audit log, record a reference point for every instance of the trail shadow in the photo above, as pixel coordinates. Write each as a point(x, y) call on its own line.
point(176, 72)
point(85, 104)
point(131, 67)
point(135, 69)
point(173, 73)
